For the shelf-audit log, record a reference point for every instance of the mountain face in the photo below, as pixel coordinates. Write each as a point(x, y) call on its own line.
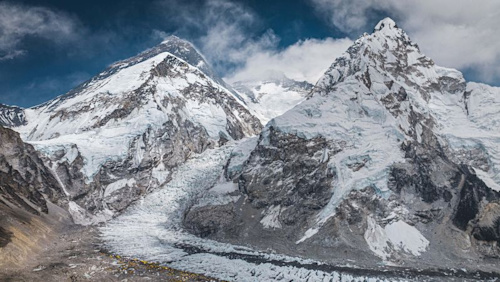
point(26, 182)
point(272, 97)
point(11, 116)
point(119, 135)
point(391, 158)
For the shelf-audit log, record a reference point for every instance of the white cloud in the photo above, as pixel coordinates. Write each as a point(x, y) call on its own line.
point(234, 41)
point(303, 61)
point(224, 31)
point(231, 39)
point(230, 36)
point(18, 22)
point(456, 33)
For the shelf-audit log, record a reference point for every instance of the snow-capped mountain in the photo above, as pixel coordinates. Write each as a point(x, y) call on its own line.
point(11, 116)
point(272, 97)
point(120, 134)
point(390, 158)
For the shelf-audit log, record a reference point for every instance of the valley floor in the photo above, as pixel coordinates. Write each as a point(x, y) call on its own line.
point(151, 231)
point(76, 255)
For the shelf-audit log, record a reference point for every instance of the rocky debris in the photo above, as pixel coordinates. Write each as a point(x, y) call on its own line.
point(28, 192)
point(209, 220)
point(75, 254)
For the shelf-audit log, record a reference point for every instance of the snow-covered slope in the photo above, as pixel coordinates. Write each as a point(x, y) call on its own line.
point(272, 97)
point(117, 136)
point(391, 156)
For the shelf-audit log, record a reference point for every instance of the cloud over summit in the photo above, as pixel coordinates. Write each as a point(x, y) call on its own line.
point(236, 42)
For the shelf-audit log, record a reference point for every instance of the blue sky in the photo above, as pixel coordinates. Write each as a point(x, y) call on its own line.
point(49, 46)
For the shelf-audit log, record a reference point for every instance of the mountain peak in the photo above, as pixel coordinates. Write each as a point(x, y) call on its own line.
point(387, 28)
point(178, 45)
point(186, 51)
point(386, 23)
point(183, 49)
point(175, 39)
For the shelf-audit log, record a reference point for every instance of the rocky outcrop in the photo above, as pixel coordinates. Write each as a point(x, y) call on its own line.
point(300, 181)
point(25, 181)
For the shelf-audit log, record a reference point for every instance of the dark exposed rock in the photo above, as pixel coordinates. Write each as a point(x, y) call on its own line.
point(25, 181)
point(472, 193)
point(5, 237)
point(299, 181)
point(211, 220)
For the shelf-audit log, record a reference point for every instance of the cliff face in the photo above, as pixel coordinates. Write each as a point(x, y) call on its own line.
point(29, 192)
point(26, 182)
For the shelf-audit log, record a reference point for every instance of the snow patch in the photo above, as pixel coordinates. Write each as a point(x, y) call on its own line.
point(271, 218)
point(115, 186)
point(486, 178)
point(82, 217)
point(396, 237)
point(309, 233)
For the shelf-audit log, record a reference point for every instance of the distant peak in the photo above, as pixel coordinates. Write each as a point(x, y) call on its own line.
point(386, 23)
point(174, 41)
point(173, 38)
point(188, 52)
